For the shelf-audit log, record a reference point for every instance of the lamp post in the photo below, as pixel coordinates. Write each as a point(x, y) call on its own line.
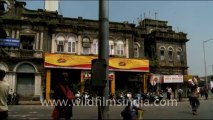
point(205, 41)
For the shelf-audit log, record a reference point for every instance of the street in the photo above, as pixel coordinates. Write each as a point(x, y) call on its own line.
point(181, 111)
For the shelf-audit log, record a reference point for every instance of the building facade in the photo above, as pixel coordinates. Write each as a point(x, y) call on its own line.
point(39, 44)
point(166, 50)
point(22, 50)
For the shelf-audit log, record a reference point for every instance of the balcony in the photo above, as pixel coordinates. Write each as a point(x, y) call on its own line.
point(20, 53)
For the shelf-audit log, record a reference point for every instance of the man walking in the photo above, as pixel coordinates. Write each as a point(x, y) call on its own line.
point(169, 92)
point(180, 93)
point(4, 90)
point(195, 103)
point(206, 92)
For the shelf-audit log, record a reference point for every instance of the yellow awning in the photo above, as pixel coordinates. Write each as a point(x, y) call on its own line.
point(84, 62)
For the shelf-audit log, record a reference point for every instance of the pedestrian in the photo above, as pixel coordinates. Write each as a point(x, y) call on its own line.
point(130, 111)
point(201, 91)
point(169, 92)
point(63, 94)
point(180, 94)
point(206, 92)
point(195, 103)
point(4, 91)
point(189, 95)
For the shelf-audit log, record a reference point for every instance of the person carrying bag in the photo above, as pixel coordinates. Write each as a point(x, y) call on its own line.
point(131, 112)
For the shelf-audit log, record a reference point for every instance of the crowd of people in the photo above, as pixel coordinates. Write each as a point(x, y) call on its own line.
point(130, 112)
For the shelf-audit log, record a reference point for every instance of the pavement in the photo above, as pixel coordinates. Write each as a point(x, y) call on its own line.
point(39, 103)
point(181, 110)
point(29, 102)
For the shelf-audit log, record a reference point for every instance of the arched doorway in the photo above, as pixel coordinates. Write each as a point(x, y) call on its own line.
point(25, 81)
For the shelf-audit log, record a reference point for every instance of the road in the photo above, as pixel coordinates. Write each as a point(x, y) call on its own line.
point(181, 111)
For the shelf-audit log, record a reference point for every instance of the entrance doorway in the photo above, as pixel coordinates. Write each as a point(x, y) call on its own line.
point(25, 85)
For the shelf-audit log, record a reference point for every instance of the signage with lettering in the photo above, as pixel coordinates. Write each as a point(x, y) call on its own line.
point(11, 42)
point(173, 78)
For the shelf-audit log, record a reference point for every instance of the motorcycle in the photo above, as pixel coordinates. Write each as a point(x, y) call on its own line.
point(161, 96)
point(120, 98)
point(85, 97)
point(78, 96)
point(129, 95)
point(13, 99)
point(151, 97)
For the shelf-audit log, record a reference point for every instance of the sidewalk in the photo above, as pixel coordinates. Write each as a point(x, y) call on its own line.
point(29, 102)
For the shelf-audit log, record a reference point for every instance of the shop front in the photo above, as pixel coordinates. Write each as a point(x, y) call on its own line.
point(121, 71)
point(164, 81)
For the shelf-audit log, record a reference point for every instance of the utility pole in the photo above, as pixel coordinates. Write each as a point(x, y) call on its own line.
point(103, 54)
point(205, 60)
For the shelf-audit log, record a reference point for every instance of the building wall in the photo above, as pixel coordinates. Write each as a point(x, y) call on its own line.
point(46, 26)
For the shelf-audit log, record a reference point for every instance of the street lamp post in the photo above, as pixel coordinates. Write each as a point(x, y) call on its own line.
point(205, 41)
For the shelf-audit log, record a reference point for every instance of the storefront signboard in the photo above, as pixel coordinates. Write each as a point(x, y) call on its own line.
point(173, 78)
point(84, 62)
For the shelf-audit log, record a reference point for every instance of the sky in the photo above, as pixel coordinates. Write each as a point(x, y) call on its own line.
point(192, 17)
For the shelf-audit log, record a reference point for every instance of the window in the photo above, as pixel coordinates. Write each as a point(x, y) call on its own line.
point(4, 6)
point(136, 50)
point(111, 47)
point(95, 46)
point(179, 51)
point(60, 44)
point(162, 53)
point(170, 53)
point(27, 42)
point(71, 45)
point(153, 52)
point(86, 46)
point(120, 48)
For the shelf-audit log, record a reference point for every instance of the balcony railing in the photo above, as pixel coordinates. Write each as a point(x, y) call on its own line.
point(20, 53)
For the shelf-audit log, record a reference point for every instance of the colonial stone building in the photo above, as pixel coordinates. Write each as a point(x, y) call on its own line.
point(166, 50)
point(40, 44)
point(22, 49)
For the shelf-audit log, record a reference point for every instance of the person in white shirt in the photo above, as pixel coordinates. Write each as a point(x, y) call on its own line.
point(169, 93)
point(4, 90)
point(180, 93)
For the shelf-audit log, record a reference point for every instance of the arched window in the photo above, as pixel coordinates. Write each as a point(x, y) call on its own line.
point(136, 50)
point(25, 68)
point(170, 53)
point(95, 46)
point(60, 43)
point(5, 6)
point(71, 45)
point(86, 46)
point(111, 47)
point(120, 48)
point(162, 53)
point(179, 53)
